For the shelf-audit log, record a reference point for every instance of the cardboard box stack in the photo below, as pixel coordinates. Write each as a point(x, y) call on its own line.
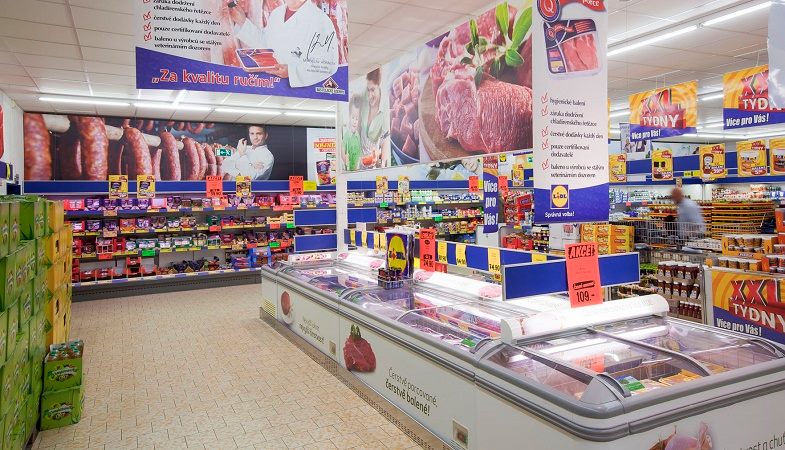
point(25, 269)
point(609, 238)
point(63, 395)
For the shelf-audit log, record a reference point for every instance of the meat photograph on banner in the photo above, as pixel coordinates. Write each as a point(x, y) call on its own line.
point(292, 48)
point(464, 94)
point(60, 147)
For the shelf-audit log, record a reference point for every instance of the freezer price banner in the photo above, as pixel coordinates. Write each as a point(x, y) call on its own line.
point(749, 304)
point(570, 113)
point(746, 99)
point(490, 192)
point(666, 112)
point(297, 48)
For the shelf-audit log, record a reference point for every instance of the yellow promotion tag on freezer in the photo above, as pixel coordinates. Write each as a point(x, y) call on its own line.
point(364, 238)
point(460, 255)
point(442, 252)
point(376, 239)
point(353, 237)
point(494, 261)
point(539, 257)
point(383, 242)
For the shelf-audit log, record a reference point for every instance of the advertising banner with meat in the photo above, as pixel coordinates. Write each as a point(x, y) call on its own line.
point(290, 48)
point(570, 79)
point(750, 304)
point(60, 147)
point(664, 112)
point(307, 319)
point(746, 99)
point(751, 158)
point(464, 94)
point(712, 162)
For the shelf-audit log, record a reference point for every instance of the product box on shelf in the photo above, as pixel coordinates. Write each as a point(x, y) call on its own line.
point(748, 245)
point(25, 303)
point(8, 280)
point(55, 215)
point(61, 408)
point(62, 368)
point(32, 217)
point(14, 235)
point(12, 325)
point(5, 229)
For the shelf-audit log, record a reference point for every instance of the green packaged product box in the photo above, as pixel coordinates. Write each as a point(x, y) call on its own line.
point(13, 226)
point(5, 229)
point(31, 218)
point(8, 280)
point(32, 415)
point(19, 432)
point(12, 315)
point(41, 260)
point(25, 303)
point(3, 337)
point(61, 408)
point(62, 368)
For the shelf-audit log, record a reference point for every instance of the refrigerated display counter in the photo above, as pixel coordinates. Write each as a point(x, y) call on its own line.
point(486, 374)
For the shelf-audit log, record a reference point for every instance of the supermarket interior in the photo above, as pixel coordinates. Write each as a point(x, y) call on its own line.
point(388, 224)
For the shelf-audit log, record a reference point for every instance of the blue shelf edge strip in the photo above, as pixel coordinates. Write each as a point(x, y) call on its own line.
point(526, 280)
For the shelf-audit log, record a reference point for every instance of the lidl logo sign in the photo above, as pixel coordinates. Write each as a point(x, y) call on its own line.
point(560, 196)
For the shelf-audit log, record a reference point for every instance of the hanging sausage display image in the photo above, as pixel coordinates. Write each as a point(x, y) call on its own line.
point(90, 148)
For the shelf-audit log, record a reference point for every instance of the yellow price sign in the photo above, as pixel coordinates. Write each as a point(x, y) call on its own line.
point(352, 237)
point(539, 257)
point(494, 261)
point(460, 255)
point(383, 242)
point(364, 239)
point(376, 240)
point(442, 252)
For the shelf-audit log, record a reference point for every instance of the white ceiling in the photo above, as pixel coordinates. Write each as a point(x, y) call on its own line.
point(85, 47)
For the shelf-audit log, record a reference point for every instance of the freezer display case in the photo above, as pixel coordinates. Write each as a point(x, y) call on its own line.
point(643, 383)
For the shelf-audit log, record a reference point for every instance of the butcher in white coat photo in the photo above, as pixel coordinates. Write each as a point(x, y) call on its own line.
point(302, 37)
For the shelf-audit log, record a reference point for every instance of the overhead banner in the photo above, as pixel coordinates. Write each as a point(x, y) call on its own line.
point(750, 304)
point(466, 93)
point(777, 152)
point(665, 112)
point(777, 54)
point(490, 192)
point(712, 162)
point(570, 114)
point(746, 99)
point(246, 46)
point(661, 165)
point(618, 168)
point(751, 158)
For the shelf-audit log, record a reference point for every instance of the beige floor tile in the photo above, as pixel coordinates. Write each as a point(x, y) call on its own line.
point(200, 370)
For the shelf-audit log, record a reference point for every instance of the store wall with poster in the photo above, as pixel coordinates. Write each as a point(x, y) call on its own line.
point(59, 147)
point(435, 103)
point(292, 48)
point(10, 139)
point(746, 99)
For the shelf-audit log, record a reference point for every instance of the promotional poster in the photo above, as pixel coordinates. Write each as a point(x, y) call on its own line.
point(321, 155)
point(661, 165)
point(618, 168)
point(777, 152)
point(490, 194)
point(665, 112)
point(464, 94)
point(746, 99)
point(712, 162)
point(635, 150)
point(751, 156)
point(289, 48)
point(749, 304)
point(570, 79)
point(60, 147)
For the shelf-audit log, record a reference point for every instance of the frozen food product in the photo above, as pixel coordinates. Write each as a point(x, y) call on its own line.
point(682, 377)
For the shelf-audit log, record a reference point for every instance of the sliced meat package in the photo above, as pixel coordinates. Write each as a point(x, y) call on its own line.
point(571, 47)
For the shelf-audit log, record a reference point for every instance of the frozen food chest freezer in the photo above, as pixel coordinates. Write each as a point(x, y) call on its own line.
point(643, 383)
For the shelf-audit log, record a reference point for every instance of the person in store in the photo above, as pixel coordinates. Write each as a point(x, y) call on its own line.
point(301, 35)
point(690, 216)
point(252, 158)
point(352, 146)
point(375, 122)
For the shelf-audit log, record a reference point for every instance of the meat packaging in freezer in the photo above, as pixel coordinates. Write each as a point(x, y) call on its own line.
point(571, 47)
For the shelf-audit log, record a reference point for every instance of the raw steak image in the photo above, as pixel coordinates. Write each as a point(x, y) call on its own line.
point(580, 53)
point(357, 352)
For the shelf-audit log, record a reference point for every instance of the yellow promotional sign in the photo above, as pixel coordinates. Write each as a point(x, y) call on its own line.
point(777, 151)
point(364, 239)
point(751, 158)
point(309, 186)
point(664, 112)
point(243, 186)
point(460, 255)
point(353, 237)
point(539, 257)
point(661, 165)
point(145, 186)
point(441, 252)
point(618, 168)
point(118, 186)
point(712, 162)
point(746, 99)
point(376, 238)
point(381, 184)
point(494, 261)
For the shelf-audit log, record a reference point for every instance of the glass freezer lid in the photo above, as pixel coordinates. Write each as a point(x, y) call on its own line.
point(638, 367)
point(392, 303)
point(717, 351)
point(478, 318)
point(332, 277)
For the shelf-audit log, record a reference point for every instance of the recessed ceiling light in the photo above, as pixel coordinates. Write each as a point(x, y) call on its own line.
point(82, 101)
point(310, 114)
point(653, 40)
point(172, 106)
point(735, 14)
point(266, 112)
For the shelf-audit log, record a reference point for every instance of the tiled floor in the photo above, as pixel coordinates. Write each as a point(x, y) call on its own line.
point(200, 370)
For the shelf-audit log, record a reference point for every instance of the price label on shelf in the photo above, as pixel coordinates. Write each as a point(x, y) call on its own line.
point(442, 252)
point(376, 238)
point(503, 187)
point(309, 186)
point(474, 183)
point(428, 249)
point(352, 237)
point(539, 257)
point(215, 186)
point(460, 255)
point(583, 274)
point(364, 239)
point(494, 261)
point(296, 185)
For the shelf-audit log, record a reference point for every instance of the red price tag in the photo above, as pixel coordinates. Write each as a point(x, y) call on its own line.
point(474, 183)
point(215, 186)
point(503, 188)
point(428, 249)
point(583, 274)
point(296, 185)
